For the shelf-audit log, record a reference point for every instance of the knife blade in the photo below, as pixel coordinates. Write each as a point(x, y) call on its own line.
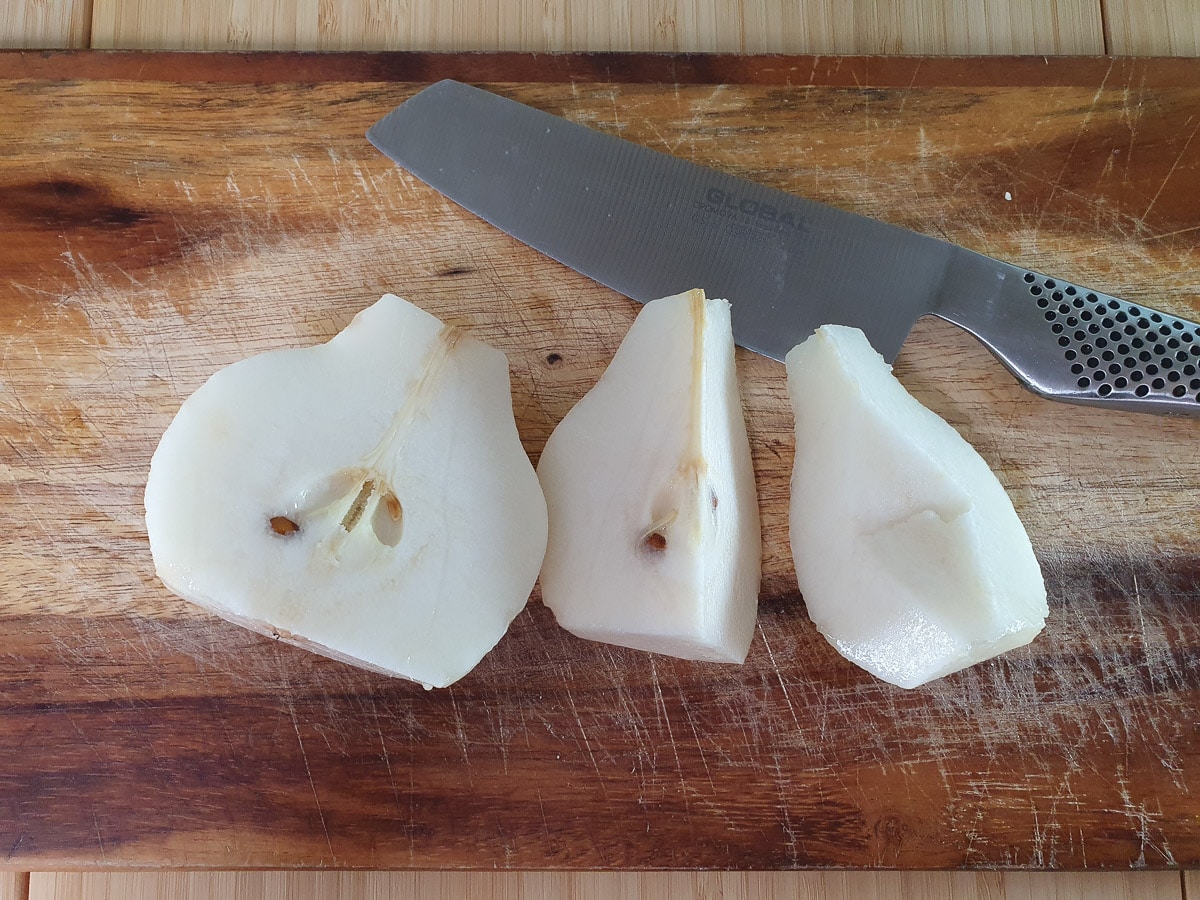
point(648, 224)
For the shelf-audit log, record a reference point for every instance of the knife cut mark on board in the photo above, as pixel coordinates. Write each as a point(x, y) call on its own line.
point(291, 708)
point(1174, 165)
point(1079, 133)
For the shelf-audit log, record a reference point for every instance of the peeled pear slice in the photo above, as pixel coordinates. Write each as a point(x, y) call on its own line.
point(367, 498)
point(909, 554)
point(654, 533)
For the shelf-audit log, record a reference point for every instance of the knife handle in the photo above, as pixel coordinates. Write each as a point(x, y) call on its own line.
point(1070, 343)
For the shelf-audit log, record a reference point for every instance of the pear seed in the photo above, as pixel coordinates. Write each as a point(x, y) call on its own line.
point(283, 526)
point(656, 540)
point(387, 520)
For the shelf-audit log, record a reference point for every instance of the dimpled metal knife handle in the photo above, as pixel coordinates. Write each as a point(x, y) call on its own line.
point(1075, 344)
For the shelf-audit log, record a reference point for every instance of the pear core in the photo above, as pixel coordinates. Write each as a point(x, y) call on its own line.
point(654, 531)
point(367, 498)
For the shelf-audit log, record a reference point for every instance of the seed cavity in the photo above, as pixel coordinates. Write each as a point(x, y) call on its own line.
point(654, 538)
point(388, 519)
point(346, 501)
point(339, 503)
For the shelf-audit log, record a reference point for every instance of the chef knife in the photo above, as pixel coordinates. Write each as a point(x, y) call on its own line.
point(648, 225)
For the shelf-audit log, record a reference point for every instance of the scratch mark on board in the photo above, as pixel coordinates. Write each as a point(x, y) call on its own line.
point(699, 111)
point(387, 760)
point(587, 744)
point(1176, 232)
point(1170, 172)
point(908, 90)
point(542, 809)
point(662, 706)
point(311, 783)
point(618, 126)
point(460, 733)
point(785, 813)
point(1083, 126)
point(691, 720)
point(1139, 813)
point(671, 148)
point(303, 172)
point(779, 677)
point(99, 836)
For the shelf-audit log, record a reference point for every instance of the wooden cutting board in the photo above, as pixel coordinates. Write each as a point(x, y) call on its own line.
point(165, 215)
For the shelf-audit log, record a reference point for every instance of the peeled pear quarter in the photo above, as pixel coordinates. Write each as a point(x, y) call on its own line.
point(911, 558)
point(654, 530)
point(367, 498)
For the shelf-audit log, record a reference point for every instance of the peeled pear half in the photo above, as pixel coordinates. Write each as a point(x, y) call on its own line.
point(654, 532)
point(367, 498)
point(912, 561)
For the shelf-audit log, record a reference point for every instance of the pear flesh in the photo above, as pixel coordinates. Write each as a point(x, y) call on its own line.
point(654, 531)
point(367, 498)
point(909, 553)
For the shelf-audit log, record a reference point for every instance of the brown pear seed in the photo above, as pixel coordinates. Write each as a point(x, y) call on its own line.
point(283, 526)
point(656, 540)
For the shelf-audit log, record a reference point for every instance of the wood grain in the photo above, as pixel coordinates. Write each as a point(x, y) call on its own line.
point(14, 885)
point(827, 26)
point(45, 23)
point(605, 886)
point(778, 70)
point(1152, 27)
point(158, 230)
